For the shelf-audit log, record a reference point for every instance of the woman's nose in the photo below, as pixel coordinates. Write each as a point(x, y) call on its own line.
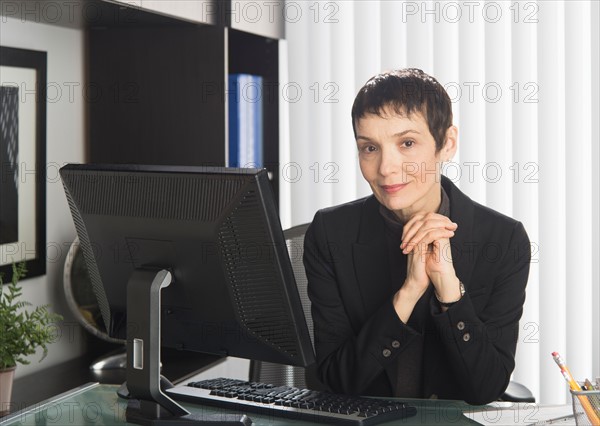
point(390, 163)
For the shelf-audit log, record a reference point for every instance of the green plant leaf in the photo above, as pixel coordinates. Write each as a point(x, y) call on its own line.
point(23, 329)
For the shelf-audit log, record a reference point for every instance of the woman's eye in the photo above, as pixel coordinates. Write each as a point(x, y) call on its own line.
point(409, 143)
point(368, 148)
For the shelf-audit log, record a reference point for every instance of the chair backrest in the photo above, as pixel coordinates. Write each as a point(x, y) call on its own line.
point(279, 374)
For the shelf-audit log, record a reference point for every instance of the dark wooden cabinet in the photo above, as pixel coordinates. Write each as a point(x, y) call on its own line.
point(158, 91)
point(159, 95)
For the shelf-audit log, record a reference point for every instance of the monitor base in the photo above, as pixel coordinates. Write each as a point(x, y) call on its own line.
point(123, 391)
point(148, 405)
point(135, 415)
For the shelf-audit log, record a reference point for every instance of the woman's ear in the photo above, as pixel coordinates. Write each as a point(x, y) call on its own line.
point(450, 143)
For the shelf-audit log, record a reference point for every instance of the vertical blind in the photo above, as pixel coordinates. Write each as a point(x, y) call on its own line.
point(523, 79)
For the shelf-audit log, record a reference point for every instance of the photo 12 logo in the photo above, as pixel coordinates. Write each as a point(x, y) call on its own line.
point(290, 12)
point(252, 92)
point(67, 12)
point(490, 172)
point(491, 91)
point(469, 11)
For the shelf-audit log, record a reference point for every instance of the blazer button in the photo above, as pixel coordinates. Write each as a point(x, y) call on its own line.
point(386, 352)
point(460, 325)
point(395, 344)
point(466, 337)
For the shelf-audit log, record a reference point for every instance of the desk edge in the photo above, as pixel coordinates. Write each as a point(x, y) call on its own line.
point(36, 406)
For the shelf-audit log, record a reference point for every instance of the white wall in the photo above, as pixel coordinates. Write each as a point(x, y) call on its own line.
point(65, 143)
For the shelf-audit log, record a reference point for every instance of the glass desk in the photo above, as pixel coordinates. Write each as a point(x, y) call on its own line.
point(98, 404)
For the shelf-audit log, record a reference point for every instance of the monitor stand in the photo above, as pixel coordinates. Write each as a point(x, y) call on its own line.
point(148, 405)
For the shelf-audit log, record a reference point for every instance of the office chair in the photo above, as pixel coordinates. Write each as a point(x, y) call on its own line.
point(286, 375)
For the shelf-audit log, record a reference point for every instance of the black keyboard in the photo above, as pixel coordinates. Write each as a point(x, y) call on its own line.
point(290, 402)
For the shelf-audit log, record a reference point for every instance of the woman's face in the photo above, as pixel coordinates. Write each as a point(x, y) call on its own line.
point(398, 158)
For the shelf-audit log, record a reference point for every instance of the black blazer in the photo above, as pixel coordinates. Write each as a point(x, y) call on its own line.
point(468, 353)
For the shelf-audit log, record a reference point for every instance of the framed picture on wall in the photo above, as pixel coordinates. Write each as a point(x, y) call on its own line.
point(22, 160)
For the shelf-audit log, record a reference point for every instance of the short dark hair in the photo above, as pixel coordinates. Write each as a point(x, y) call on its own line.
point(406, 91)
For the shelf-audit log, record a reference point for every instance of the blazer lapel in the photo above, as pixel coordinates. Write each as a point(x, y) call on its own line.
point(371, 259)
point(462, 244)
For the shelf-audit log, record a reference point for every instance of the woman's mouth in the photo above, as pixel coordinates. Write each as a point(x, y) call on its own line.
point(391, 189)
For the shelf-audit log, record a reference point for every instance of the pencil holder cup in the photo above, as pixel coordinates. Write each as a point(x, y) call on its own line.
point(586, 407)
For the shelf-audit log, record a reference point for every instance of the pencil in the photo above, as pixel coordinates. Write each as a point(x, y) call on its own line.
point(585, 403)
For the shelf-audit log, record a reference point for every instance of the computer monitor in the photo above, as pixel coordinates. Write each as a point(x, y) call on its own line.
point(196, 251)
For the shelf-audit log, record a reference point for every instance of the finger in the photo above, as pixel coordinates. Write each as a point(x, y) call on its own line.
point(416, 272)
point(427, 238)
point(441, 251)
point(414, 222)
point(421, 228)
point(426, 217)
point(416, 225)
point(413, 219)
point(444, 248)
point(416, 258)
point(436, 248)
point(415, 235)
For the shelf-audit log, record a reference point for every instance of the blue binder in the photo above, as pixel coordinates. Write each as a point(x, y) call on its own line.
point(245, 95)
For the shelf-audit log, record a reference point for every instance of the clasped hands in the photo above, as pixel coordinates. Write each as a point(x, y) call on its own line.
point(426, 241)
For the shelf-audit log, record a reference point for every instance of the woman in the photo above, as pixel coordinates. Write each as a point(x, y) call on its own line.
point(416, 290)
